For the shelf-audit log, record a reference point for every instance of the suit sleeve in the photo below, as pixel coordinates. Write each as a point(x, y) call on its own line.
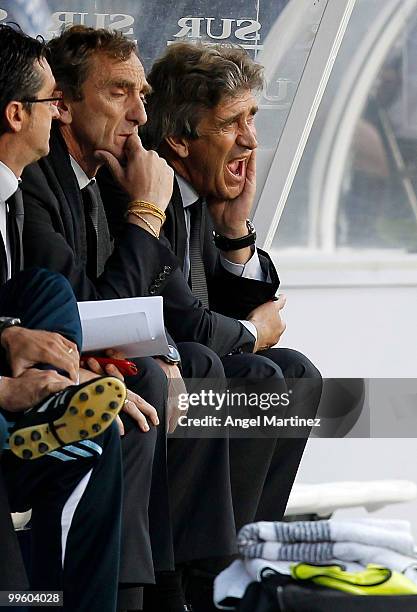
point(137, 264)
point(237, 296)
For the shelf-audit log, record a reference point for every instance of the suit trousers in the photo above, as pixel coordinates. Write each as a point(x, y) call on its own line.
point(12, 571)
point(199, 468)
point(75, 501)
point(263, 470)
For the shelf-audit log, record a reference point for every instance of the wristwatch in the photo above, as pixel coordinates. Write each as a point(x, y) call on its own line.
point(234, 244)
point(6, 322)
point(172, 357)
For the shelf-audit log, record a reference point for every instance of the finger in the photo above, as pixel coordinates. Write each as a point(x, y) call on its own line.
point(111, 370)
point(144, 407)
point(251, 166)
point(94, 366)
point(111, 162)
point(114, 354)
point(131, 409)
point(53, 386)
point(133, 143)
point(17, 367)
point(120, 425)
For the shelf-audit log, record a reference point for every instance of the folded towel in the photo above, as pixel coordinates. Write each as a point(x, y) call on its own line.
point(266, 539)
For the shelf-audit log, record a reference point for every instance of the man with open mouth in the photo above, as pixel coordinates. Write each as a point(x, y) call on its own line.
point(201, 119)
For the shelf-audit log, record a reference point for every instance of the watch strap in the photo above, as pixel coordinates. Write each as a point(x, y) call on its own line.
point(234, 244)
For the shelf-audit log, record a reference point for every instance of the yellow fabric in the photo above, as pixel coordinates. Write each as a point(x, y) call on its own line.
point(374, 580)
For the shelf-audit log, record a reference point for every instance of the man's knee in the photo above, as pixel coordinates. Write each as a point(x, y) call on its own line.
point(198, 361)
point(292, 363)
point(252, 366)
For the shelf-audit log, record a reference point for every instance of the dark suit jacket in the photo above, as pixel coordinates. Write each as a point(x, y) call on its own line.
point(55, 237)
point(229, 294)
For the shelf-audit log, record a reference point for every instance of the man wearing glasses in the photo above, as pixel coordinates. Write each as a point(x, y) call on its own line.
point(74, 491)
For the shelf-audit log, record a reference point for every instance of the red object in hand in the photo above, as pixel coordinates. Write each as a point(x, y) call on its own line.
point(125, 367)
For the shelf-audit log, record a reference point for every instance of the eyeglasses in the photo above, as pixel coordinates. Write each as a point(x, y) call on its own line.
point(52, 101)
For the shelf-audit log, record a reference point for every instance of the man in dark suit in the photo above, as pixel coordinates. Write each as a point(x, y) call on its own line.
point(201, 119)
point(42, 409)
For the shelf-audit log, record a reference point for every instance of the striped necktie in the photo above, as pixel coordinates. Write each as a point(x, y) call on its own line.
point(198, 279)
point(99, 247)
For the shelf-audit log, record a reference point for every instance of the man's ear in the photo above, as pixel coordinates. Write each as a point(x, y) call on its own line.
point(179, 145)
point(14, 115)
point(64, 108)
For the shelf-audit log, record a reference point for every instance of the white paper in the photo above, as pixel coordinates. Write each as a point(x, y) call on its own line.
point(134, 326)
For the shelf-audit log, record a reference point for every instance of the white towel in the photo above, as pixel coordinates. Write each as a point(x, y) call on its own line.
point(352, 551)
point(266, 539)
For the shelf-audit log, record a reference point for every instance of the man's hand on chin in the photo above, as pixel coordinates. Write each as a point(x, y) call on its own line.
point(229, 216)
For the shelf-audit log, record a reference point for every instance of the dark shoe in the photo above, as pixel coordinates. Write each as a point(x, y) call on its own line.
point(76, 413)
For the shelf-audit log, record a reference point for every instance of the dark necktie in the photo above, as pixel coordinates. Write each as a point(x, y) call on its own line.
point(98, 238)
point(15, 215)
point(197, 272)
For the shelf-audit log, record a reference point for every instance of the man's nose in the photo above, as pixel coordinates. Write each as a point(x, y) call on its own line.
point(137, 113)
point(247, 137)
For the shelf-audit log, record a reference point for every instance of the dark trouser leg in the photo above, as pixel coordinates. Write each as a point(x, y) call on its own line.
point(76, 513)
point(42, 300)
point(201, 506)
point(146, 487)
point(12, 572)
point(263, 470)
point(306, 383)
point(146, 531)
point(199, 478)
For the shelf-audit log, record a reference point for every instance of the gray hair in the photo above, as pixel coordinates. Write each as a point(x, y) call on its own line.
point(189, 79)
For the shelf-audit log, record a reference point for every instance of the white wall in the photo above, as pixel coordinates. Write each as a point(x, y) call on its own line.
point(357, 332)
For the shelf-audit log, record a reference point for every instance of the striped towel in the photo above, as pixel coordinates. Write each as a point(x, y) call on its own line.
point(313, 541)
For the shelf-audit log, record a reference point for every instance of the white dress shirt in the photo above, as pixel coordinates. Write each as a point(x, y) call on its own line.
point(8, 185)
point(82, 178)
point(252, 269)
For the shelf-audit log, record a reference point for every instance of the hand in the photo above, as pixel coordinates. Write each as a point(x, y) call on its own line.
point(229, 216)
point(30, 388)
point(176, 386)
point(146, 176)
point(268, 322)
point(27, 347)
point(135, 406)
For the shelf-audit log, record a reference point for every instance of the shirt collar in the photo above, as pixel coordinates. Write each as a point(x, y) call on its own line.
point(188, 193)
point(82, 178)
point(8, 182)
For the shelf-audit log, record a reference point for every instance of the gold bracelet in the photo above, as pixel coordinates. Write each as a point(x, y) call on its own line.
point(149, 206)
point(153, 230)
point(146, 211)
